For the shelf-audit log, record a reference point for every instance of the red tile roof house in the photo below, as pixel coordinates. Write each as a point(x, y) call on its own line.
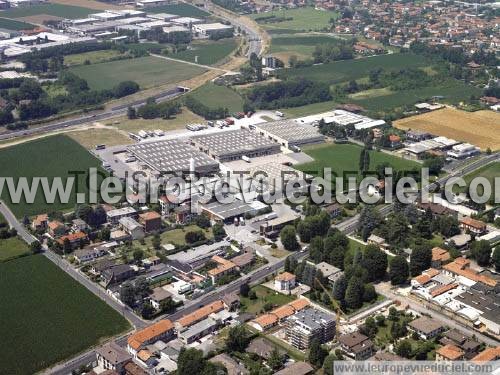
point(151, 221)
point(472, 225)
point(162, 330)
point(74, 239)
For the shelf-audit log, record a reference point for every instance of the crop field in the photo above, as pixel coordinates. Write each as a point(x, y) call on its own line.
point(11, 248)
point(452, 91)
point(8, 24)
point(89, 138)
point(181, 9)
point(49, 157)
point(341, 71)
point(303, 19)
point(58, 10)
point(208, 52)
point(47, 316)
point(301, 46)
point(343, 159)
point(214, 96)
point(93, 57)
point(481, 128)
point(146, 71)
point(489, 172)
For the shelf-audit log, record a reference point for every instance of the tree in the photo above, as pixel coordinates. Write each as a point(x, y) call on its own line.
point(194, 236)
point(328, 364)
point(398, 330)
point(354, 293)
point(481, 251)
point(218, 232)
point(67, 246)
point(380, 319)
point(131, 113)
point(138, 254)
point(375, 262)
point(167, 306)
point(339, 288)
point(420, 259)
point(496, 258)
point(369, 219)
point(370, 327)
point(403, 349)
point(316, 249)
point(125, 88)
point(35, 247)
point(290, 264)
point(276, 360)
point(435, 164)
point(244, 289)
point(127, 293)
point(147, 311)
point(202, 221)
point(190, 361)
point(238, 339)
point(364, 160)
point(369, 293)
point(156, 241)
point(289, 238)
point(317, 353)
point(398, 270)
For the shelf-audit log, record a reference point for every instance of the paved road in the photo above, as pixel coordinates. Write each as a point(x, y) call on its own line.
point(12, 220)
point(385, 290)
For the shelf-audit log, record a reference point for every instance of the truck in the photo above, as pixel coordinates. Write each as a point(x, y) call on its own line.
point(270, 216)
point(142, 134)
point(229, 121)
point(159, 133)
point(279, 114)
point(100, 147)
point(246, 158)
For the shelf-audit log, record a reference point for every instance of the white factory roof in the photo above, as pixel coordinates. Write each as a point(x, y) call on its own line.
point(344, 118)
point(174, 29)
point(186, 20)
point(163, 16)
point(213, 26)
point(446, 141)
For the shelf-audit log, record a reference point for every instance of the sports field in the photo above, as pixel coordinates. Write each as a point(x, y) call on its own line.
point(11, 248)
point(301, 46)
point(146, 71)
point(481, 128)
point(181, 9)
point(47, 316)
point(344, 159)
point(58, 10)
point(303, 19)
point(48, 157)
point(8, 24)
point(341, 71)
point(209, 52)
point(215, 96)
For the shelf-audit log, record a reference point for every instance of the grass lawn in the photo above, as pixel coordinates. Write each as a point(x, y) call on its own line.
point(146, 71)
point(178, 122)
point(47, 316)
point(306, 19)
point(94, 57)
point(89, 138)
point(181, 9)
point(175, 236)
point(209, 52)
point(489, 171)
point(47, 157)
point(344, 159)
point(354, 246)
point(341, 71)
point(301, 46)
point(11, 248)
point(309, 109)
point(8, 24)
point(215, 96)
point(58, 10)
point(264, 295)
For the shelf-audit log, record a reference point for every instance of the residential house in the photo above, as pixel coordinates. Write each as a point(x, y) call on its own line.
point(296, 368)
point(198, 315)
point(461, 267)
point(278, 315)
point(394, 141)
point(232, 367)
point(285, 282)
point(151, 221)
point(168, 203)
point(379, 241)
point(332, 273)
point(78, 225)
point(101, 265)
point(468, 345)
point(117, 273)
point(261, 347)
point(157, 296)
point(474, 226)
point(487, 355)
point(425, 327)
point(162, 330)
point(113, 357)
point(435, 208)
point(449, 352)
point(334, 210)
point(56, 228)
point(356, 345)
point(132, 228)
point(183, 214)
point(231, 301)
point(115, 215)
point(133, 368)
point(439, 257)
point(40, 222)
point(244, 260)
point(198, 330)
point(74, 239)
point(88, 254)
point(417, 136)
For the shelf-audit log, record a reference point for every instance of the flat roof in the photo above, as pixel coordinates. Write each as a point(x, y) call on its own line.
point(234, 142)
point(171, 156)
point(290, 131)
point(228, 210)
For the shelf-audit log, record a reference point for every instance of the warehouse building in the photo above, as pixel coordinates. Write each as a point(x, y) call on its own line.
point(289, 133)
point(173, 157)
point(208, 29)
point(233, 145)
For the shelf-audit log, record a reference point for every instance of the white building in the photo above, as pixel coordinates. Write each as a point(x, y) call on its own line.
point(463, 151)
point(207, 29)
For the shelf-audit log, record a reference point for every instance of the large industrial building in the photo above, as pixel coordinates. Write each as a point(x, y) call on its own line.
point(174, 157)
point(232, 145)
point(309, 324)
point(288, 133)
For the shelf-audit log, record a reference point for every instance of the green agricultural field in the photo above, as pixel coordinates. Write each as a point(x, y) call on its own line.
point(215, 96)
point(181, 9)
point(342, 71)
point(47, 316)
point(5, 23)
point(301, 46)
point(48, 157)
point(304, 19)
point(489, 172)
point(93, 57)
point(146, 71)
point(344, 159)
point(11, 248)
point(309, 109)
point(209, 52)
point(58, 10)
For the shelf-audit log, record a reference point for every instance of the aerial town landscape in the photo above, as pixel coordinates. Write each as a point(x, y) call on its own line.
point(249, 187)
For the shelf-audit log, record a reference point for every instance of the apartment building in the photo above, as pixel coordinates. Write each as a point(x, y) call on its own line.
point(310, 324)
